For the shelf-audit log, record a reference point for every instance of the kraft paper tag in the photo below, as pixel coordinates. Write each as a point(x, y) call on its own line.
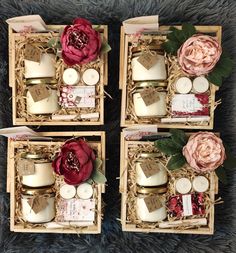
point(32, 53)
point(25, 167)
point(38, 203)
point(149, 168)
point(153, 203)
point(149, 96)
point(39, 92)
point(147, 60)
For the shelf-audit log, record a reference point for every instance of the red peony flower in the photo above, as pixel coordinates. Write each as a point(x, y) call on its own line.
point(80, 42)
point(74, 162)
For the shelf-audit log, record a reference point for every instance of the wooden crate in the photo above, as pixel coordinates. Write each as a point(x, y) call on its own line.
point(123, 188)
point(11, 180)
point(13, 37)
point(124, 47)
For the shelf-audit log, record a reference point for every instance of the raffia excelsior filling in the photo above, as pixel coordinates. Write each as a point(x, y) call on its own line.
point(134, 152)
point(40, 40)
point(173, 72)
point(51, 150)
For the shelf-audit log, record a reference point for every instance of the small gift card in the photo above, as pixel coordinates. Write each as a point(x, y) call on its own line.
point(137, 132)
point(149, 168)
point(147, 60)
point(22, 23)
point(38, 203)
point(77, 96)
point(32, 53)
point(39, 92)
point(153, 203)
point(149, 96)
point(25, 167)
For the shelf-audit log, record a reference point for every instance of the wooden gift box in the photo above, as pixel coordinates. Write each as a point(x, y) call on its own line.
point(96, 140)
point(128, 225)
point(125, 43)
point(13, 80)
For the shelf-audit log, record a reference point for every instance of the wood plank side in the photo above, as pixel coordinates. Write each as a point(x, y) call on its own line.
point(122, 62)
point(105, 57)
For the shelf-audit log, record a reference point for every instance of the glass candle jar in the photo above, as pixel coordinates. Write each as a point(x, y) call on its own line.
point(43, 175)
point(44, 68)
point(45, 106)
point(156, 72)
point(160, 178)
point(143, 213)
point(157, 109)
point(46, 214)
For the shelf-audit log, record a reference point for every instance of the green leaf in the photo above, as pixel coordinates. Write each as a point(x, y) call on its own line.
point(171, 47)
point(105, 48)
point(179, 137)
point(214, 78)
point(54, 43)
point(176, 162)
point(189, 30)
point(168, 146)
point(89, 181)
point(97, 164)
point(221, 174)
point(98, 177)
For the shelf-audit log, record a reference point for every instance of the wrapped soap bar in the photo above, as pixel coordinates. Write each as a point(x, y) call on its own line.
point(184, 105)
point(186, 205)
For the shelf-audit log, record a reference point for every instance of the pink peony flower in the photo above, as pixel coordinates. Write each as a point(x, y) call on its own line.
point(199, 55)
point(74, 162)
point(204, 151)
point(80, 42)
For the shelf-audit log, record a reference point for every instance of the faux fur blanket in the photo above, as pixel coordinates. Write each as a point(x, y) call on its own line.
point(112, 239)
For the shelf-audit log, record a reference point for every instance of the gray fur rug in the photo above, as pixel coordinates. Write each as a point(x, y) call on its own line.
point(112, 239)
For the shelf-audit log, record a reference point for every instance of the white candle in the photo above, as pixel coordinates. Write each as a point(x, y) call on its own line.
point(183, 185)
point(70, 76)
point(67, 191)
point(91, 76)
point(183, 85)
point(200, 84)
point(45, 106)
point(43, 176)
point(156, 72)
point(157, 109)
point(85, 191)
point(157, 179)
point(45, 215)
point(144, 214)
point(200, 184)
point(44, 68)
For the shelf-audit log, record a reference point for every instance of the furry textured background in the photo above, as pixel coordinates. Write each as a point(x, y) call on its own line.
point(112, 239)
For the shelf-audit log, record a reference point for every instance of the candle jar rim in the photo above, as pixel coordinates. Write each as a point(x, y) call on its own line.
point(38, 191)
point(145, 155)
point(152, 190)
point(145, 84)
point(33, 81)
point(156, 47)
point(36, 156)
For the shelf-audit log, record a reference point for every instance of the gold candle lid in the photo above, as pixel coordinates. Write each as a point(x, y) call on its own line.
point(33, 156)
point(155, 190)
point(153, 47)
point(150, 155)
point(150, 84)
point(37, 191)
point(33, 81)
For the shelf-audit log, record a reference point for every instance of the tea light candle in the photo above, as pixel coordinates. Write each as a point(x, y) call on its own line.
point(85, 191)
point(43, 176)
point(91, 76)
point(157, 109)
point(157, 179)
point(67, 191)
point(183, 85)
point(183, 185)
point(71, 76)
point(44, 68)
point(200, 84)
point(200, 184)
point(45, 215)
point(144, 214)
point(156, 72)
point(45, 106)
